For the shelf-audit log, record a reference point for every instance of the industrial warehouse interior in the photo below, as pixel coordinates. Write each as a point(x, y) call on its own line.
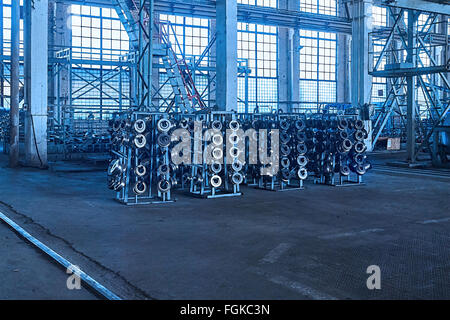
point(195, 150)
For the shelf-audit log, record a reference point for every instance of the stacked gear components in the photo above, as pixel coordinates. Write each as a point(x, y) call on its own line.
point(213, 154)
point(337, 151)
point(290, 170)
point(140, 170)
point(219, 172)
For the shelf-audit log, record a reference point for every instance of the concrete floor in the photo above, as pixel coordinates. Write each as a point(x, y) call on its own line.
point(311, 244)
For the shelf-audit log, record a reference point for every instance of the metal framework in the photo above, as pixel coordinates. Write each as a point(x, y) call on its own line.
point(414, 57)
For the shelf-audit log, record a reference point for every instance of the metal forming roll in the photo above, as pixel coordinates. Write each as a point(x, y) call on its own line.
point(360, 147)
point(284, 124)
point(163, 125)
point(233, 138)
point(216, 181)
point(217, 153)
point(234, 152)
point(237, 178)
point(140, 141)
point(140, 170)
point(285, 137)
point(359, 135)
point(237, 165)
point(217, 139)
point(216, 167)
point(300, 125)
point(234, 125)
point(164, 186)
point(217, 125)
point(285, 162)
point(285, 150)
point(302, 149)
point(163, 140)
point(139, 126)
point(344, 170)
point(140, 187)
point(163, 170)
point(302, 161)
point(302, 173)
point(342, 124)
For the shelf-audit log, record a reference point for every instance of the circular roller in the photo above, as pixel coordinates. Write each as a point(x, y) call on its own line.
point(302, 161)
point(216, 181)
point(285, 162)
point(164, 186)
point(285, 174)
point(233, 138)
point(359, 135)
point(163, 170)
point(115, 167)
point(360, 147)
point(284, 124)
point(343, 135)
point(346, 145)
point(140, 187)
point(116, 125)
point(234, 152)
point(300, 125)
point(216, 167)
point(285, 150)
point(237, 178)
point(163, 140)
point(359, 124)
point(359, 158)
point(237, 165)
point(184, 123)
point(217, 153)
point(342, 124)
point(140, 141)
point(234, 125)
point(139, 126)
point(344, 170)
point(360, 169)
point(140, 170)
point(285, 137)
point(216, 125)
point(217, 139)
point(301, 136)
point(163, 125)
point(302, 148)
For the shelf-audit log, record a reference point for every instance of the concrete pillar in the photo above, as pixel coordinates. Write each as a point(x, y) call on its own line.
point(14, 102)
point(343, 62)
point(360, 79)
point(288, 61)
point(36, 87)
point(226, 45)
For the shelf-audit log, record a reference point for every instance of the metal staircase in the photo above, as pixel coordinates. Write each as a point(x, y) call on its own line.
point(185, 94)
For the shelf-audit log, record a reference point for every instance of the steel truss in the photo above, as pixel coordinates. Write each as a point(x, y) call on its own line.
point(415, 59)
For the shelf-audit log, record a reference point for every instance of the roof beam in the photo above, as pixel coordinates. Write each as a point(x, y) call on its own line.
point(436, 6)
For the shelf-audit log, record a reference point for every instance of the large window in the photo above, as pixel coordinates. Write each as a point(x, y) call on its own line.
point(262, 3)
point(5, 88)
point(189, 38)
point(97, 34)
point(328, 7)
point(257, 46)
point(99, 39)
point(317, 68)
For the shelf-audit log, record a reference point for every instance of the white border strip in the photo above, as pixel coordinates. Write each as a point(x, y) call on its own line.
point(62, 261)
